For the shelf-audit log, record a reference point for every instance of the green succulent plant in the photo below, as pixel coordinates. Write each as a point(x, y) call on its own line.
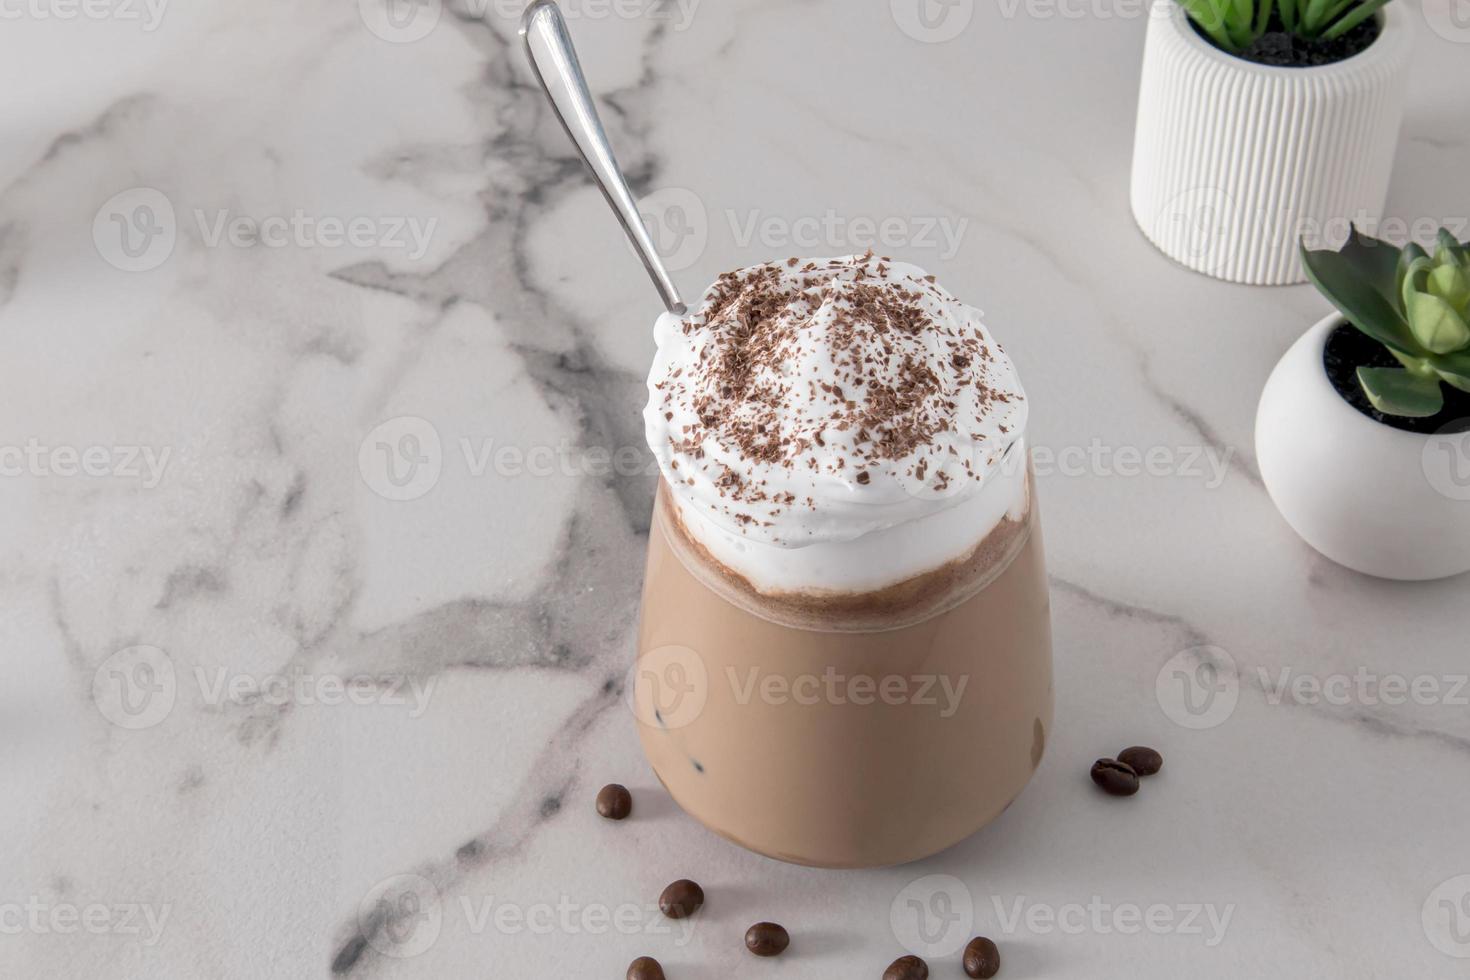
point(1237, 24)
point(1415, 304)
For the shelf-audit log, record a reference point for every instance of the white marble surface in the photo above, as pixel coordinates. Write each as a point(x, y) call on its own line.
point(211, 836)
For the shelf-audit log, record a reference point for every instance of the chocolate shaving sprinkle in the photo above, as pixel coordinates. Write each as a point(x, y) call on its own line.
point(789, 356)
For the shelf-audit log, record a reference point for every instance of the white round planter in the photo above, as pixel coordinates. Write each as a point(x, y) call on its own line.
point(1374, 498)
point(1234, 162)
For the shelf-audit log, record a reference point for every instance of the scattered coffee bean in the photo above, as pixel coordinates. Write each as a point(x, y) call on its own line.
point(614, 802)
point(767, 939)
point(681, 899)
point(1144, 760)
point(982, 959)
point(907, 968)
point(1116, 778)
point(645, 968)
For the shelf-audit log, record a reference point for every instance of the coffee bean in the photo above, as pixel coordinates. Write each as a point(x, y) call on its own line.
point(1144, 760)
point(614, 802)
point(767, 939)
point(1116, 778)
point(645, 968)
point(681, 899)
point(907, 968)
point(982, 959)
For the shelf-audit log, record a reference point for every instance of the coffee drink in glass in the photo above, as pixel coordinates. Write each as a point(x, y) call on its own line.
point(844, 654)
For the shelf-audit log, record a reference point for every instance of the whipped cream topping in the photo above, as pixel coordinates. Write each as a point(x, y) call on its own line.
point(817, 402)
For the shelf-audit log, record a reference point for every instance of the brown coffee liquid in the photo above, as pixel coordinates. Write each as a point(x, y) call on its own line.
point(853, 730)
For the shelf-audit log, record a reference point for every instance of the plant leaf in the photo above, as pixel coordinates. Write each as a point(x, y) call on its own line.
point(1353, 19)
point(1312, 18)
point(1345, 279)
point(1412, 253)
point(1288, 15)
point(1263, 18)
point(1457, 363)
point(1436, 324)
point(1394, 391)
point(1210, 20)
point(1446, 243)
point(1458, 381)
point(1450, 283)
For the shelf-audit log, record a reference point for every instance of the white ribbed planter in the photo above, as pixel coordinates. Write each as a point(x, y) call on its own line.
point(1374, 498)
point(1233, 161)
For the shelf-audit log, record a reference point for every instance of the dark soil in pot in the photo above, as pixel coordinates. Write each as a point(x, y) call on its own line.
point(1348, 349)
point(1281, 49)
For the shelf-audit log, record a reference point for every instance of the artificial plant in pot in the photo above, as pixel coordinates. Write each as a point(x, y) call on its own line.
point(1363, 431)
point(1263, 120)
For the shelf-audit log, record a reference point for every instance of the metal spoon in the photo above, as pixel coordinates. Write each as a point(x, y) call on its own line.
point(549, 48)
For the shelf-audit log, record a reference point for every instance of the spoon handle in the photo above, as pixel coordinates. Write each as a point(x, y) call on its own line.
point(549, 48)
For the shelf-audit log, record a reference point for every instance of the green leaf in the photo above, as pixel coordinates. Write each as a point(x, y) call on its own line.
point(1376, 260)
point(1411, 254)
point(1416, 364)
point(1450, 283)
point(1448, 244)
point(1435, 323)
point(1458, 381)
point(1345, 279)
point(1394, 391)
point(1456, 363)
point(1312, 17)
point(1263, 18)
point(1288, 14)
point(1211, 20)
point(1353, 19)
